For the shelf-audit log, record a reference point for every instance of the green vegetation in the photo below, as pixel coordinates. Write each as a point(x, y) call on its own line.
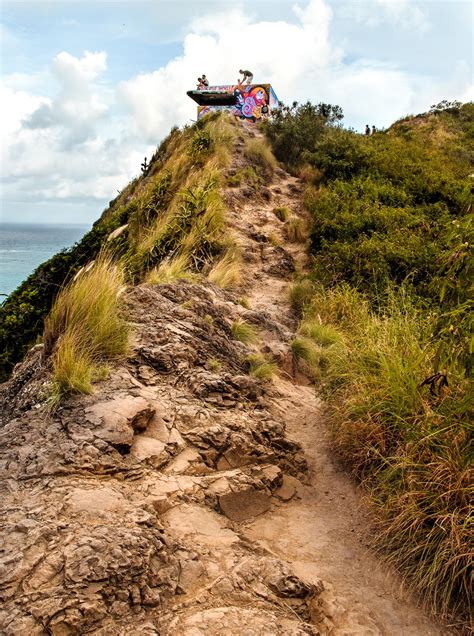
point(260, 367)
point(300, 295)
point(261, 158)
point(213, 364)
point(295, 229)
point(247, 176)
point(323, 335)
point(86, 328)
point(169, 271)
point(388, 312)
point(306, 356)
point(243, 331)
point(227, 272)
point(282, 213)
point(173, 213)
point(407, 440)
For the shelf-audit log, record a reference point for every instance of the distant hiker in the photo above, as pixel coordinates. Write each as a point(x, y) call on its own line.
point(374, 130)
point(247, 77)
point(205, 81)
point(200, 85)
point(367, 129)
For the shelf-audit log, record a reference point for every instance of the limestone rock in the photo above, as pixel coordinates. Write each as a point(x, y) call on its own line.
point(244, 505)
point(117, 420)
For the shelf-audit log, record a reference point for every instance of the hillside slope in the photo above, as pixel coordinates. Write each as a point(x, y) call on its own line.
point(186, 495)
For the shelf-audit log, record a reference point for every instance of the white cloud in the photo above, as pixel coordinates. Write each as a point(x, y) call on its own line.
point(404, 14)
point(86, 139)
point(78, 107)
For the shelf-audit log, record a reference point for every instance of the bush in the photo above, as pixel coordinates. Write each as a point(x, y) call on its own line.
point(294, 130)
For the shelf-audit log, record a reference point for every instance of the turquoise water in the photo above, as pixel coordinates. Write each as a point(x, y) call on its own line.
point(23, 247)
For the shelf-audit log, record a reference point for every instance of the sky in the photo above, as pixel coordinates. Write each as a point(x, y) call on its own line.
point(88, 89)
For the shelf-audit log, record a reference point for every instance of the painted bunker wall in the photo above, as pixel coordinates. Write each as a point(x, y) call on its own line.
point(250, 101)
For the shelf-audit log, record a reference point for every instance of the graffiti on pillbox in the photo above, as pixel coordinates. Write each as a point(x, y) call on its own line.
point(251, 102)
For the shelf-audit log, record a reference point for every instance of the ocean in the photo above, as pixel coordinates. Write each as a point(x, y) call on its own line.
point(23, 247)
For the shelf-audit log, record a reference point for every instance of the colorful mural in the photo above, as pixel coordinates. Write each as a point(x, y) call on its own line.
point(250, 102)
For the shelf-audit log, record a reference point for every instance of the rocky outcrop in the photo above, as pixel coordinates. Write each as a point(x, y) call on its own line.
point(119, 504)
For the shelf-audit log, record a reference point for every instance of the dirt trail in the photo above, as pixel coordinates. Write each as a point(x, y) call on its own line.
point(185, 496)
point(324, 532)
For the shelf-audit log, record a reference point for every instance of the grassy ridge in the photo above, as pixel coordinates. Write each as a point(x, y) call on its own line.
point(172, 210)
point(387, 325)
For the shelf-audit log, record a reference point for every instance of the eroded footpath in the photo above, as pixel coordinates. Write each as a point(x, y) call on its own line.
point(185, 496)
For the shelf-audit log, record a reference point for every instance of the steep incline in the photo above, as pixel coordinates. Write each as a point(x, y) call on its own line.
point(185, 496)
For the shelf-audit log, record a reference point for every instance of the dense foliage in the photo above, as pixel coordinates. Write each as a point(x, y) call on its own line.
point(387, 324)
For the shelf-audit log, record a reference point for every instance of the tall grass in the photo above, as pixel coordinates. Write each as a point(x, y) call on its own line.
point(300, 295)
point(296, 230)
point(227, 271)
point(411, 447)
point(170, 270)
point(86, 328)
point(306, 355)
point(260, 156)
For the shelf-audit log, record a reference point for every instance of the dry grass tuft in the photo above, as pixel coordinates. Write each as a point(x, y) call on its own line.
point(86, 328)
point(243, 331)
point(260, 156)
point(296, 230)
point(227, 272)
point(260, 367)
point(171, 270)
point(282, 213)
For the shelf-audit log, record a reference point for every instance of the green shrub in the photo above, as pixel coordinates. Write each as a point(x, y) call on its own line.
point(295, 130)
